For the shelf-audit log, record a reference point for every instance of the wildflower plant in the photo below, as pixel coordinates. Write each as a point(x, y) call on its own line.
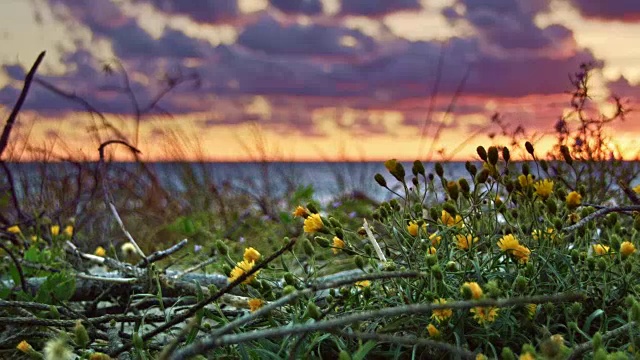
point(528, 260)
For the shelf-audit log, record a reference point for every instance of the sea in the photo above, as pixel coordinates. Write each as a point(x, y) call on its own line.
point(328, 180)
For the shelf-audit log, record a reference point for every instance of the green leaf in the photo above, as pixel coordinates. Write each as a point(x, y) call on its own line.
point(199, 315)
point(57, 287)
point(362, 352)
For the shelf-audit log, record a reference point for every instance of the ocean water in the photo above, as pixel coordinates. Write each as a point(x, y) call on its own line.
point(328, 179)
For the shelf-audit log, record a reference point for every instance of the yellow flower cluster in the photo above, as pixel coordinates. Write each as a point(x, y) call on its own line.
point(338, 245)
point(627, 248)
point(433, 331)
point(600, 249)
point(100, 251)
point(525, 180)
point(472, 288)
point(539, 234)
point(510, 245)
point(313, 223)
point(449, 220)
point(543, 188)
point(573, 199)
point(251, 255)
point(464, 242)
point(441, 314)
point(485, 315)
point(255, 304)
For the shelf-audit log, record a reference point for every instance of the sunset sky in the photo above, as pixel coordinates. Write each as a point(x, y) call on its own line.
point(303, 80)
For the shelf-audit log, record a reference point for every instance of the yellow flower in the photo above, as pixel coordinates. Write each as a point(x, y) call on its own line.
point(68, 230)
point(55, 230)
point(15, 229)
point(627, 248)
point(255, 304)
point(363, 284)
point(338, 245)
point(449, 220)
point(413, 228)
point(481, 356)
point(485, 314)
point(600, 249)
point(435, 239)
point(526, 356)
point(433, 331)
point(441, 314)
point(313, 223)
point(251, 254)
point(473, 288)
point(100, 251)
point(558, 339)
point(544, 188)
point(34, 238)
point(636, 189)
point(525, 181)
point(522, 253)
point(531, 310)
point(127, 249)
point(242, 268)
point(573, 199)
point(432, 250)
point(25, 347)
point(391, 164)
point(465, 241)
point(510, 245)
point(539, 234)
point(300, 212)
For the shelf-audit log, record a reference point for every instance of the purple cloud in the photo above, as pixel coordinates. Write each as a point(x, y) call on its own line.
point(377, 7)
point(621, 10)
point(202, 11)
point(307, 7)
point(272, 37)
point(510, 23)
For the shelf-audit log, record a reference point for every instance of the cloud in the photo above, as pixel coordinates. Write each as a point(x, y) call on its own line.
point(510, 23)
point(273, 37)
point(15, 72)
point(129, 40)
point(624, 89)
point(306, 7)
point(408, 70)
point(619, 10)
point(377, 7)
point(202, 11)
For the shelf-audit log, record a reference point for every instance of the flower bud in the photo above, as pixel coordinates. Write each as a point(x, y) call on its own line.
point(222, 247)
point(439, 169)
point(529, 147)
point(307, 246)
point(453, 190)
point(464, 186)
point(482, 176)
point(81, 335)
point(506, 155)
point(564, 150)
point(492, 155)
point(380, 180)
point(418, 168)
point(482, 153)
point(313, 311)
point(472, 169)
point(312, 208)
point(289, 289)
point(289, 279)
